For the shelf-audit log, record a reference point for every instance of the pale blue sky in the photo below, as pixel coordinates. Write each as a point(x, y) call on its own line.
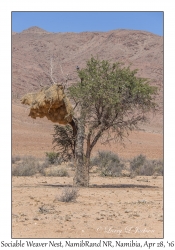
point(88, 21)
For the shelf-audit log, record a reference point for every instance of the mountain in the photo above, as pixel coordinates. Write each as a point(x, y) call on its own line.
point(34, 29)
point(34, 48)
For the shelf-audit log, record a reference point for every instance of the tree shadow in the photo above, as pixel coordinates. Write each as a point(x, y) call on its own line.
point(103, 186)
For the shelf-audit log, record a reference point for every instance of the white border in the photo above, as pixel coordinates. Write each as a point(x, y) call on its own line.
point(5, 100)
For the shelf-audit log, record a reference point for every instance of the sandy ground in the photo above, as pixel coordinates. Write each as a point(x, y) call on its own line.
point(109, 208)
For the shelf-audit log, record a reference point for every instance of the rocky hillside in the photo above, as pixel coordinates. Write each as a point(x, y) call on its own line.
point(33, 49)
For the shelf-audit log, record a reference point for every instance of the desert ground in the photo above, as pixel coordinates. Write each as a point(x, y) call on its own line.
point(109, 208)
point(112, 207)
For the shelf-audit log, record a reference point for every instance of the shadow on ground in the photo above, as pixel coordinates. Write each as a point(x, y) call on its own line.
point(41, 185)
point(104, 186)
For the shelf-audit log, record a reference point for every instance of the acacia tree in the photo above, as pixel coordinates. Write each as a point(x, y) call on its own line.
point(110, 101)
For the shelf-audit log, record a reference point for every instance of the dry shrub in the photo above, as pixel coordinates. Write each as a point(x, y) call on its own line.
point(108, 163)
point(15, 158)
point(27, 167)
point(159, 167)
point(69, 194)
point(141, 166)
point(136, 163)
point(55, 171)
point(43, 166)
point(52, 158)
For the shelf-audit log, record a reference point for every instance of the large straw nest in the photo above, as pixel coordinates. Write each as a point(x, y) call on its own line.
point(50, 102)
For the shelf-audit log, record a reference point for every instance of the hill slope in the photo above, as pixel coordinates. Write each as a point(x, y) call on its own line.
point(34, 47)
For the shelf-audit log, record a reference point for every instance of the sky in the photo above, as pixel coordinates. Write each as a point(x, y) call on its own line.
point(88, 21)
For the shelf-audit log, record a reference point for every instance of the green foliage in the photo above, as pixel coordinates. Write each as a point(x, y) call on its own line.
point(111, 97)
point(53, 158)
point(108, 163)
point(63, 141)
point(112, 86)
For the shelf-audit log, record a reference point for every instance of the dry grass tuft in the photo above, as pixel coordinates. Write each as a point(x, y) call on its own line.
point(69, 194)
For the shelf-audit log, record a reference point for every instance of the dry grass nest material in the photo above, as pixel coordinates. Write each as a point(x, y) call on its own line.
point(50, 102)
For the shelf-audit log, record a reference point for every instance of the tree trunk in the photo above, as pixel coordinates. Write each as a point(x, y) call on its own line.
point(88, 153)
point(81, 172)
point(74, 128)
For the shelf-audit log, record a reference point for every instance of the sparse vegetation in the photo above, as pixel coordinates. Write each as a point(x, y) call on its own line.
point(43, 166)
point(15, 158)
point(55, 172)
point(141, 166)
point(159, 167)
point(108, 163)
point(137, 163)
point(53, 158)
point(69, 194)
point(27, 167)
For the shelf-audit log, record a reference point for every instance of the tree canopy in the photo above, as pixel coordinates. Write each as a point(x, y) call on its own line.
point(112, 96)
point(110, 100)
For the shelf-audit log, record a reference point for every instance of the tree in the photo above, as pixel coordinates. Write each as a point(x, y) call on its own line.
point(110, 101)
